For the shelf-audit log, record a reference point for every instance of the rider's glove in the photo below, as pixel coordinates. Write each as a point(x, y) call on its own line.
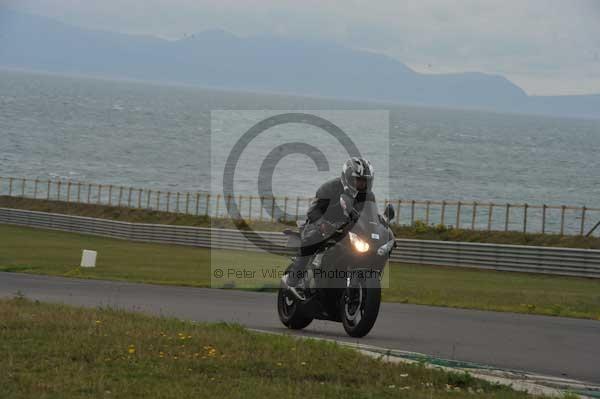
point(324, 228)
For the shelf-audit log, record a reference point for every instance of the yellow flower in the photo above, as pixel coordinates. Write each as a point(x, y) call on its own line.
point(98, 321)
point(131, 350)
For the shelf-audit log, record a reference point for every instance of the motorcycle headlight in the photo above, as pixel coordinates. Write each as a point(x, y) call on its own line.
point(385, 248)
point(359, 244)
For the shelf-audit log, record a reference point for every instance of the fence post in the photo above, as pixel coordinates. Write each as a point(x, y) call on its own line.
point(10, 186)
point(427, 204)
point(582, 230)
point(23, 188)
point(139, 204)
point(297, 207)
point(228, 205)
point(272, 209)
point(250, 198)
point(285, 203)
point(1, 185)
point(120, 195)
point(110, 188)
point(69, 191)
point(129, 197)
point(525, 207)
point(89, 192)
point(217, 206)
point(507, 217)
point(206, 211)
point(544, 219)
point(262, 207)
point(562, 220)
point(187, 203)
point(241, 206)
point(168, 200)
point(58, 190)
point(35, 188)
point(78, 192)
point(490, 212)
point(474, 215)
point(458, 206)
point(148, 199)
point(412, 212)
point(158, 200)
point(398, 213)
point(177, 202)
point(197, 204)
point(443, 213)
point(99, 193)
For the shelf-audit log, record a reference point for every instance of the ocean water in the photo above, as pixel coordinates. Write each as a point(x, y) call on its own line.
point(159, 137)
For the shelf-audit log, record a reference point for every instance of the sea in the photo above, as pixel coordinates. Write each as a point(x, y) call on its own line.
point(178, 138)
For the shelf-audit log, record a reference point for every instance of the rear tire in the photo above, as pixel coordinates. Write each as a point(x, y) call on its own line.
point(290, 313)
point(360, 306)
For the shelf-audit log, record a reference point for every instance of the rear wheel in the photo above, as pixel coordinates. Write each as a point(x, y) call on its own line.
point(360, 306)
point(290, 313)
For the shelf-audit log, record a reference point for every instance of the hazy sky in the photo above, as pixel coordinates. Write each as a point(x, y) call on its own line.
point(544, 46)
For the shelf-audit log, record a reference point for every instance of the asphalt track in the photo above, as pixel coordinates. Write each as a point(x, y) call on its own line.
point(553, 346)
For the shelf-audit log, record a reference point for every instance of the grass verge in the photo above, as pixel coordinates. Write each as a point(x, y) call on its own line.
point(419, 231)
point(58, 253)
point(54, 351)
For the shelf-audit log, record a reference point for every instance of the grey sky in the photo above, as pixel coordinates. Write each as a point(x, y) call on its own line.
point(546, 47)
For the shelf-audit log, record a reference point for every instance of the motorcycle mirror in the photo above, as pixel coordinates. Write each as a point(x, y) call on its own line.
point(389, 212)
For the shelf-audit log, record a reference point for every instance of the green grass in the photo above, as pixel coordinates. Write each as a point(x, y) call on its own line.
point(419, 231)
point(58, 253)
point(55, 351)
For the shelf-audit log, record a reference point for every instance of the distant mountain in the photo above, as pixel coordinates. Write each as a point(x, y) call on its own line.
point(219, 59)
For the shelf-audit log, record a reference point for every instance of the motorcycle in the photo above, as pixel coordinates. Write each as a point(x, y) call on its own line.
point(342, 281)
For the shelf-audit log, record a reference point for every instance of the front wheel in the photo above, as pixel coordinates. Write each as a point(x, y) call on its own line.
point(360, 306)
point(290, 313)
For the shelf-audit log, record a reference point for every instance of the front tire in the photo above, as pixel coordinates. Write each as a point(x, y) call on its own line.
point(360, 306)
point(290, 313)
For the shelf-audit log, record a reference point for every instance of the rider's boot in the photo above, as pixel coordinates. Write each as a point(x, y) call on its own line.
point(294, 278)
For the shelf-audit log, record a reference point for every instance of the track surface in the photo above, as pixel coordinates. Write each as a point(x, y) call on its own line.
point(553, 346)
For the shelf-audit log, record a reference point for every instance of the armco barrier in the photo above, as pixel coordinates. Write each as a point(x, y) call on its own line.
point(516, 258)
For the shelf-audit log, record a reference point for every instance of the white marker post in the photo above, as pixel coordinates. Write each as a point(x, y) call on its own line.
point(88, 258)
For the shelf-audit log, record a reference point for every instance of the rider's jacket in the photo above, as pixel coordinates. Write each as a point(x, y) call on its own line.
point(326, 202)
point(325, 207)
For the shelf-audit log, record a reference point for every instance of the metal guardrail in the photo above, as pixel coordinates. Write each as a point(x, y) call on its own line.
point(515, 258)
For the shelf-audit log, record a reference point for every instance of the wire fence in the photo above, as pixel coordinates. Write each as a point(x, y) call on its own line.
point(529, 218)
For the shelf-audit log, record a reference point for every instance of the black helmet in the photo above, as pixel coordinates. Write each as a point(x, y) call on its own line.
point(356, 169)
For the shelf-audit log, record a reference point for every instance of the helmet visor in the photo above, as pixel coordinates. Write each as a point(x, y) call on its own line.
point(362, 183)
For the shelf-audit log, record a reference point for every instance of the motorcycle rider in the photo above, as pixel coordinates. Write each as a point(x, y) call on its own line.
point(356, 181)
